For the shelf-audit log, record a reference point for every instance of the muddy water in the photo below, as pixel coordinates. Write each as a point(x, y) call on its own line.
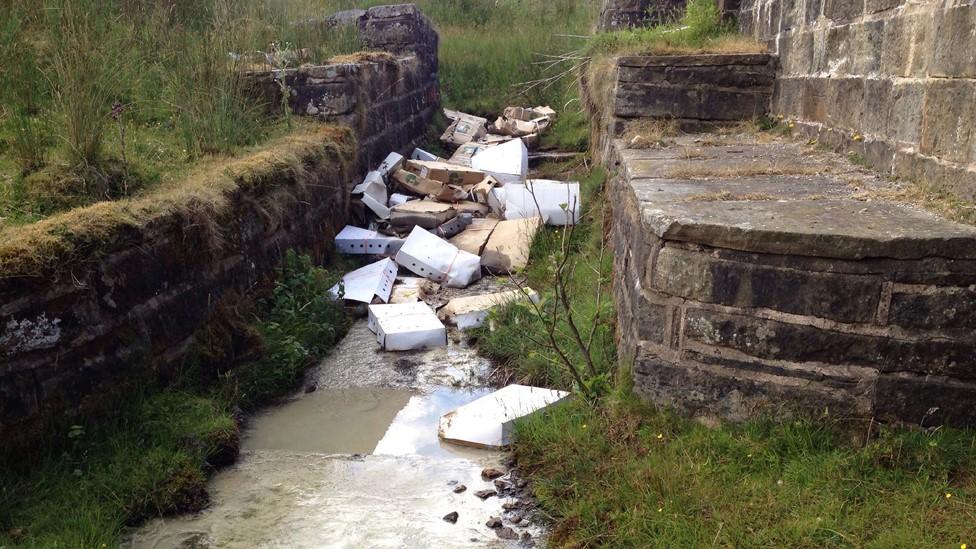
point(354, 463)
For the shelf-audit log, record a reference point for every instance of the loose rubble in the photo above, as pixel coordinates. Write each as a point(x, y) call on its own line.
point(448, 221)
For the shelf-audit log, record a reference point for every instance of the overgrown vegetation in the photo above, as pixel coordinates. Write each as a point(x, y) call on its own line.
point(700, 30)
point(154, 455)
point(518, 335)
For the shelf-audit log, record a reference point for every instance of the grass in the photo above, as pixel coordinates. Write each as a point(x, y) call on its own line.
point(511, 335)
point(57, 242)
point(154, 455)
point(620, 474)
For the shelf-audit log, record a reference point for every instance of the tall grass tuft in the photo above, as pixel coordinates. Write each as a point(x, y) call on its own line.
point(88, 66)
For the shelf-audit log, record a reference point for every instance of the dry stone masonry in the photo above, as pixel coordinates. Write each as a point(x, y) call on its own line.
point(893, 80)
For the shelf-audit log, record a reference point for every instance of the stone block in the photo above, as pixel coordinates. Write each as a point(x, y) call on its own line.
point(846, 103)
point(768, 339)
point(867, 47)
point(840, 52)
point(948, 114)
point(876, 6)
point(954, 44)
point(701, 277)
point(907, 102)
point(728, 391)
point(843, 11)
point(656, 101)
point(813, 9)
point(814, 107)
point(933, 308)
point(878, 106)
point(925, 400)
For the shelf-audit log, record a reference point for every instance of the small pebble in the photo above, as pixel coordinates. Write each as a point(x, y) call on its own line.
point(451, 517)
point(460, 488)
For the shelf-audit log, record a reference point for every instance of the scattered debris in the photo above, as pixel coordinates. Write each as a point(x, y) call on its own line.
point(438, 260)
point(508, 247)
point(408, 289)
point(363, 285)
point(406, 326)
point(356, 241)
point(465, 128)
point(489, 421)
point(556, 202)
point(508, 162)
point(445, 172)
point(420, 154)
point(472, 311)
point(416, 184)
point(451, 517)
point(428, 214)
point(473, 238)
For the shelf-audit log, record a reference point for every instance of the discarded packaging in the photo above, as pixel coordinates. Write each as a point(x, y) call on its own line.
point(420, 154)
point(464, 129)
point(472, 311)
point(496, 201)
point(373, 280)
point(445, 172)
point(490, 421)
point(474, 237)
point(480, 192)
point(392, 163)
point(428, 187)
point(373, 189)
point(421, 213)
point(463, 155)
point(507, 249)
point(406, 326)
point(558, 203)
point(454, 226)
point(508, 162)
point(520, 128)
point(396, 199)
point(472, 208)
point(522, 113)
point(357, 241)
point(431, 257)
point(407, 289)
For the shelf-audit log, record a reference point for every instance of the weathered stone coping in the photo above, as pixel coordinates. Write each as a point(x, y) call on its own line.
point(808, 211)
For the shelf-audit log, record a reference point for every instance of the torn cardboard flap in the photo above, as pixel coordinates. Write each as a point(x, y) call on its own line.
point(471, 312)
point(396, 199)
point(558, 203)
point(507, 163)
point(527, 114)
point(473, 208)
point(520, 128)
point(489, 422)
point(406, 326)
point(358, 241)
point(507, 249)
point(416, 184)
point(445, 172)
point(473, 238)
point(464, 129)
point(480, 192)
point(362, 285)
point(436, 259)
point(421, 213)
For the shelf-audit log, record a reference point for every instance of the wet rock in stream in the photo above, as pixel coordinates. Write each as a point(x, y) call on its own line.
point(494, 522)
point(485, 494)
point(451, 517)
point(506, 533)
point(460, 488)
point(491, 473)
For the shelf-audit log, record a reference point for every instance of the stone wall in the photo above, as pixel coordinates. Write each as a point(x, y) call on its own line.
point(98, 300)
point(624, 14)
point(697, 91)
point(891, 80)
point(389, 93)
point(740, 295)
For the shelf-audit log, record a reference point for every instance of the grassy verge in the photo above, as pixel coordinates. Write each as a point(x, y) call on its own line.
point(154, 455)
point(623, 475)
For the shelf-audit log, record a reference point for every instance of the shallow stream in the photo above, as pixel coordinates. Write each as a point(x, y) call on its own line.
point(355, 462)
